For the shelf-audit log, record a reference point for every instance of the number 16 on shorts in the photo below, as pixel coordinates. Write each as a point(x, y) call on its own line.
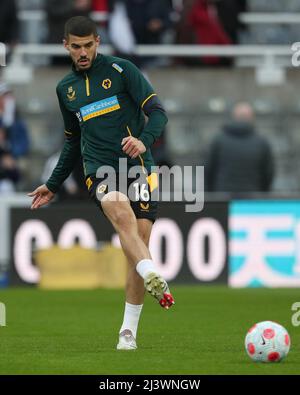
point(141, 192)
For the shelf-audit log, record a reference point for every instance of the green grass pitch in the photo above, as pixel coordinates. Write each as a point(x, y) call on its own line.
point(75, 332)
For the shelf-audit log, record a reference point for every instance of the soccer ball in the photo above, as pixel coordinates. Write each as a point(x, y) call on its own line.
point(267, 341)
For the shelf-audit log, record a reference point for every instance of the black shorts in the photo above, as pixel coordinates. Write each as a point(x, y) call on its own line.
point(143, 203)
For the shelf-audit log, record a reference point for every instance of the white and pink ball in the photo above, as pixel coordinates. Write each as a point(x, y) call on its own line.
point(267, 341)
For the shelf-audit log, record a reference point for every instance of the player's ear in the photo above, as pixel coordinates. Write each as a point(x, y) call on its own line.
point(66, 45)
point(97, 41)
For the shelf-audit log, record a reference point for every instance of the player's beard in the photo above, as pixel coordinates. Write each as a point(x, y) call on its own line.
point(81, 65)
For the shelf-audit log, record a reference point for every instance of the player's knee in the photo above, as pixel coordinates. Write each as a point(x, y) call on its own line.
point(124, 220)
point(120, 214)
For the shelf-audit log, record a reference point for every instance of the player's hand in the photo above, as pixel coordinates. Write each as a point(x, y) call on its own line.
point(41, 196)
point(133, 146)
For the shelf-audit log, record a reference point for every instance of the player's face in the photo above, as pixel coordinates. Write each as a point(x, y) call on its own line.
point(83, 50)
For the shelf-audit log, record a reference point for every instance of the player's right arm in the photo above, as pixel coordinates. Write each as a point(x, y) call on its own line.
point(67, 160)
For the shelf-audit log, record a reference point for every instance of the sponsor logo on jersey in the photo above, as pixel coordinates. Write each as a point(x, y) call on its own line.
point(100, 107)
point(106, 84)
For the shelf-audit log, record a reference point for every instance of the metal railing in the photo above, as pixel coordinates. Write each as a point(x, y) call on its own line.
point(41, 15)
point(286, 18)
point(168, 50)
point(246, 55)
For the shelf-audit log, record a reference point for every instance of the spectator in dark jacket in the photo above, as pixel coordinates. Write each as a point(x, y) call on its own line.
point(149, 19)
point(9, 173)
point(59, 11)
point(8, 22)
point(15, 127)
point(228, 12)
point(239, 160)
point(18, 138)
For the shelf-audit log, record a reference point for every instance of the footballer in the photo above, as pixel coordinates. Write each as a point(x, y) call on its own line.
point(103, 101)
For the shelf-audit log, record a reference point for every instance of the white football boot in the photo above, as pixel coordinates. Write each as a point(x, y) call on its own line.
point(126, 341)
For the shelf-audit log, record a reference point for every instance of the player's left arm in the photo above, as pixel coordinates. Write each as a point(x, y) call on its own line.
point(143, 94)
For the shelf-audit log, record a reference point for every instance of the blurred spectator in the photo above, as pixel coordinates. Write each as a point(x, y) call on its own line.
point(100, 5)
point(149, 19)
point(185, 35)
point(8, 22)
point(9, 26)
point(16, 130)
point(7, 105)
point(200, 24)
point(58, 12)
point(18, 137)
point(100, 10)
point(9, 173)
point(239, 160)
point(228, 12)
point(120, 31)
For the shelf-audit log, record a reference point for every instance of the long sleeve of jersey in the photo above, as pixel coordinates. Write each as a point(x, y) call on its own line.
point(143, 94)
point(70, 152)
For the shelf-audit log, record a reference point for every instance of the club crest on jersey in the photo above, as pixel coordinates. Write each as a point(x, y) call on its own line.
point(106, 84)
point(71, 95)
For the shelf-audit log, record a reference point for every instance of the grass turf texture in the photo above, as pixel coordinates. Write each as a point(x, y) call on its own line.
point(75, 332)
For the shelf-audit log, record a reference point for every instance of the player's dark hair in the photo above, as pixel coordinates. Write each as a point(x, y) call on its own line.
point(80, 26)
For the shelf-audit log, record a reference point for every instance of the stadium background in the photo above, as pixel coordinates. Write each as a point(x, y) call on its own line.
point(235, 242)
